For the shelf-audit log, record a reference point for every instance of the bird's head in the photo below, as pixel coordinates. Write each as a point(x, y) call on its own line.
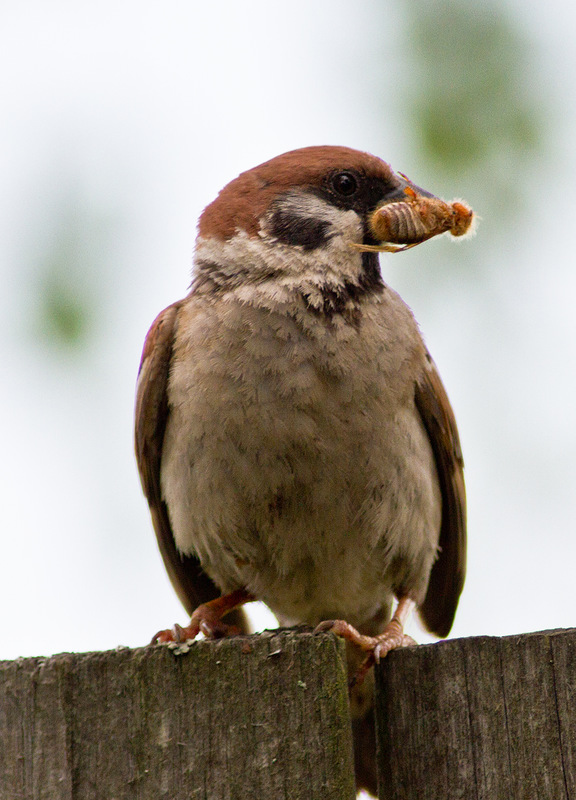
point(309, 215)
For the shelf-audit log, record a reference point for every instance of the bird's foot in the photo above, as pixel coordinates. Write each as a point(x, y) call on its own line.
point(376, 647)
point(206, 619)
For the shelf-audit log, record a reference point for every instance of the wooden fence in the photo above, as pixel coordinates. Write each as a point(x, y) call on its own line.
point(266, 717)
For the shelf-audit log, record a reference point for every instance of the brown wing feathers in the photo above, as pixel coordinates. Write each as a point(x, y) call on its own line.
point(448, 572)
point(191, 583)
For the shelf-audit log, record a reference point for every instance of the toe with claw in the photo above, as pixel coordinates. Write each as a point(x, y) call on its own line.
point(206, 619)
point(376, 647)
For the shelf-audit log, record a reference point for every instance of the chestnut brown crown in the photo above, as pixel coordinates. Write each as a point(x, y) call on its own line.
point(244, 201)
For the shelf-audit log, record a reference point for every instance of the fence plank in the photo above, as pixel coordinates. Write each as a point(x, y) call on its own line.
point(251, 717)
point(483, 718)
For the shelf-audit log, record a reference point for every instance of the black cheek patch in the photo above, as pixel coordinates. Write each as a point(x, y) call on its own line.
point(293, 229)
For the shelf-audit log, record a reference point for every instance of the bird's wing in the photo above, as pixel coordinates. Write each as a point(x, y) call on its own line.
point(448, 572)
point(191, 583)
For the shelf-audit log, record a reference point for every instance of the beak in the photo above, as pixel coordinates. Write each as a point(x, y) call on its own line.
point(400, 193)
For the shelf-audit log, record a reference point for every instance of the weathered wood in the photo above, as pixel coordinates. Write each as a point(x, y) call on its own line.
point(479, 719)
point(252, 717)
point(267, 717)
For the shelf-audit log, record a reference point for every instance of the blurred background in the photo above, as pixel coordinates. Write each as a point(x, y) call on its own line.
point(122, 120)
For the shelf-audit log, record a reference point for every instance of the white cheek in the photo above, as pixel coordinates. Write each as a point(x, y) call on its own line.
point(244, 259)
point(345, 226)
point(265, 268)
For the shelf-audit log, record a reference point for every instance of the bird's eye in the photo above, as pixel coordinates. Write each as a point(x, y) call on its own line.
point(345, 183)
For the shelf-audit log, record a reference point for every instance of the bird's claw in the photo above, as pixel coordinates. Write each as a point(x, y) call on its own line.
point(207, 619)
point(376, 647)
point(177, 634)
point(391, 642)
point(326, 625)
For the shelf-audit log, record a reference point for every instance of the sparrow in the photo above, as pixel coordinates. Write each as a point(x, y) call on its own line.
point(294, 440)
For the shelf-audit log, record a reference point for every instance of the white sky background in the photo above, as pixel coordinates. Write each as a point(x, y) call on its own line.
point(129, 117)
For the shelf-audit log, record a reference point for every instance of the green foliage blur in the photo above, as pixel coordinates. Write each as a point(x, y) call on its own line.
point(473, 97)
point(70, 274)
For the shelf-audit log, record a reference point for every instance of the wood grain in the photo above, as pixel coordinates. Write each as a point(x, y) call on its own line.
point(479, 719)
point(267, 717)
point(250, 717)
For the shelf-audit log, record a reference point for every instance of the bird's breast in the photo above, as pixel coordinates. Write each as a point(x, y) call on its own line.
point(293, 453)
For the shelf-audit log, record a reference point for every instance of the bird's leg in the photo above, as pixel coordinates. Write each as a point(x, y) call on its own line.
point(377, 647)
point(207, 619)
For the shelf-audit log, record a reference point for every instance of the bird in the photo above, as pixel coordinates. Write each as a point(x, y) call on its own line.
point(294, 439)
